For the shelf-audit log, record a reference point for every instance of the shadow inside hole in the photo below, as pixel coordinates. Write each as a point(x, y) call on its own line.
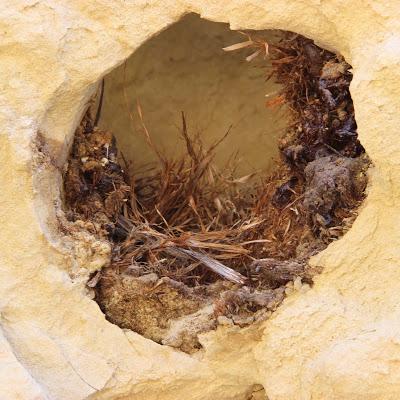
point(185, 69)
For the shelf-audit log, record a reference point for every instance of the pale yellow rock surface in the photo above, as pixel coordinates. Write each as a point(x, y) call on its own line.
point(339, 340)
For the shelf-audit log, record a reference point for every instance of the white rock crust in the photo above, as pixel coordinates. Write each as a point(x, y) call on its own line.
point(339, 340)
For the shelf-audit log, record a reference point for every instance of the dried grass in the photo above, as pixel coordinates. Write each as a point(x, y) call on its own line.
point(186, 215)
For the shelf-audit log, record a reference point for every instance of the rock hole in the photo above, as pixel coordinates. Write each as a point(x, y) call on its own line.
point(208, 231)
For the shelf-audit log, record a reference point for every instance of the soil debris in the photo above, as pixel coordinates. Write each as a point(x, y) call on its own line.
point(332, 182)
point(194, 247)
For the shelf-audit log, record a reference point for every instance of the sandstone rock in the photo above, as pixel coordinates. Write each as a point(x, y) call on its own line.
point(339, 340)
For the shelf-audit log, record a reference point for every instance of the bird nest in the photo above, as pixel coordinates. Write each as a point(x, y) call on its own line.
point(194, 247)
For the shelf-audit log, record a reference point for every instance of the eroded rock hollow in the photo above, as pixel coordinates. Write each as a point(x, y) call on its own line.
point(336, 340)
point(195, 243)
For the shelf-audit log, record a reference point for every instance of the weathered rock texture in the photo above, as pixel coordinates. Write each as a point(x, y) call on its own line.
point(340, 340)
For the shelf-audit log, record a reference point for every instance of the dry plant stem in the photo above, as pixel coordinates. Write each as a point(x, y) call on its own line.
point(214, 265)
point(174, 246)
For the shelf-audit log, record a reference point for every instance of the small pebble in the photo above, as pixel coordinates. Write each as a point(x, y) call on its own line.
point(297, 284)
point(222, 320)
point(288, 291)
point(305, 288)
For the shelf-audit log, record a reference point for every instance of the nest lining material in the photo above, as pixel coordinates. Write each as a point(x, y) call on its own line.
point(194, 247)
